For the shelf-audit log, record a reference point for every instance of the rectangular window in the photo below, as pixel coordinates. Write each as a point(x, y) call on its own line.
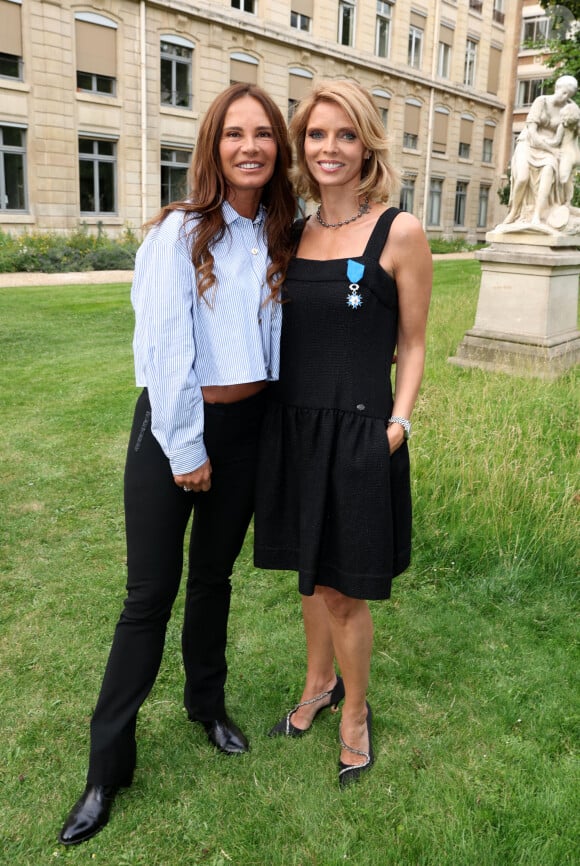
point(444, 51)
point(407, 199)
point(11, 66)
point(440, 127)
point(97, 176)
point(245, 5)
point(91, 83)
point(12, 169)
point(493, 69)
point(487, 150)
point(411, 121)
point(243, 69)
point(465, 137)
point(383, 34)
point(11, 40)
point(498, 14)
point(470, 60)
point(96, 55)
point(460, 203)
point(174, 167)
point(528, 90)
point(443, 60)
point(476, 5)
point(346, 10)
point(535, 29)
point(176, 66)
point(434, 203)
point(482, 207)
point(415, 51)
point(300, 22)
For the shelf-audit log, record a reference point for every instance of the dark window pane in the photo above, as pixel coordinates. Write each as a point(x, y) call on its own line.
point(106, 187)
point(87, 185)
point(84, 81)
point(182, 84)
point(14, 180)
point(12, 137)
point(10, 65)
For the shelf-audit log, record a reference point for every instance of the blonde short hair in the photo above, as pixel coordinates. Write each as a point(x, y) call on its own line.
point(378, 175)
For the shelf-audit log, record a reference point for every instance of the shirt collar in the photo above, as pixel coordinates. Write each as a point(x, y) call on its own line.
point(230, 214)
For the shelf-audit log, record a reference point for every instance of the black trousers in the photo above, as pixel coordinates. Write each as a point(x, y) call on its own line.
point(157, 513)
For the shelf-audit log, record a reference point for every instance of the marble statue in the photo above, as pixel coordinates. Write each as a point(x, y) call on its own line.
point(543, 165)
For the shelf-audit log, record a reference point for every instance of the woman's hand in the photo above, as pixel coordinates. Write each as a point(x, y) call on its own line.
point(395, 437)
point(198, 481)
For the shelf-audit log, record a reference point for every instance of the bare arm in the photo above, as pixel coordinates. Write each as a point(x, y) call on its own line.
point(408, 257)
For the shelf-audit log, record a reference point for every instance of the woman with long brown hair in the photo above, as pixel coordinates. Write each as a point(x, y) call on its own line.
point(207, 325)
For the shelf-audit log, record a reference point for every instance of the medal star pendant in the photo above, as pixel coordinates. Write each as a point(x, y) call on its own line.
point(354, 272)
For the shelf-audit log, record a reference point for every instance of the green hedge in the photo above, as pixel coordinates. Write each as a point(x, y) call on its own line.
point(50, 253)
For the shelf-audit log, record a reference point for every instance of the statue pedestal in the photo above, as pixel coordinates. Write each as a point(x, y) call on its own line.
point(526, 320)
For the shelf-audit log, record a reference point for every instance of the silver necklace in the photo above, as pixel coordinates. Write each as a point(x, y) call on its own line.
point(363, 209)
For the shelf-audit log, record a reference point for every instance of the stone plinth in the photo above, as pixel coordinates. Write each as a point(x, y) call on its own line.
point(526, 320)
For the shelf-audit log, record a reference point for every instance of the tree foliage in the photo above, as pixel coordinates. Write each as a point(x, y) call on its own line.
point(563, 47)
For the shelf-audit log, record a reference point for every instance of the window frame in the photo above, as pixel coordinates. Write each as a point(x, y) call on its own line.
point(13, 151)
point(416, 36)
point(483, 205)
point(526, 91)
point(173, 166)
point(344, 7)
point(470, 65)
point(176, 62)
point(298, 19)
point(407, 191)
point(98, 161)
point(241, 5)
point(435, 201)
point(537, 21)
point(460, 205)
point(94, 89)
point(384, 19)
point(444, 60)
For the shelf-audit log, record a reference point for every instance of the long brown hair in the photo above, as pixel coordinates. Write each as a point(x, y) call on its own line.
point(208, 190)
point(378, 175)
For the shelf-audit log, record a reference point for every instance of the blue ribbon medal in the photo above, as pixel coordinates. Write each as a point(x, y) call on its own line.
point(354, 272)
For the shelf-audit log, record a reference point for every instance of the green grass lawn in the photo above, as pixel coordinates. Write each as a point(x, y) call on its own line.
point(474, 682)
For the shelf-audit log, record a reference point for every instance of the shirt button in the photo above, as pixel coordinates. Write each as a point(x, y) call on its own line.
point(360, 406)
point(254, 251)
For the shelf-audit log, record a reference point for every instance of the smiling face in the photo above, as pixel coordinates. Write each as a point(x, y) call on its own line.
point(247, 151)
point(333, 152)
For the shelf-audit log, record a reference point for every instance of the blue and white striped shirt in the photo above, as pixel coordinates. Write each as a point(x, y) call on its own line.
point(183, 342)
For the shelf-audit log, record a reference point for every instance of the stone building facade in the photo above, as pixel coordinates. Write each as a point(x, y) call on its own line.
point(100, 101)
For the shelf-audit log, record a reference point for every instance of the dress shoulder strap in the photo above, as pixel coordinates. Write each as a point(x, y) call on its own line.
point(296, 232)
point(380, 233)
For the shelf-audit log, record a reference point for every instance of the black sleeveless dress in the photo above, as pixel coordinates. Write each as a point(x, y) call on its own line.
point(331, 503)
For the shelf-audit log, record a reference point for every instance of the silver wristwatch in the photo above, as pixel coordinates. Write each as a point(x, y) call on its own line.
point(405, 424)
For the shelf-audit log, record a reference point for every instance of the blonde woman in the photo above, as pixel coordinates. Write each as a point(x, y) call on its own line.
point(333, 497)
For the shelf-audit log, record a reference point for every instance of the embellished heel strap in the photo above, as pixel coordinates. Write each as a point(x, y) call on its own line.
point(285, 726)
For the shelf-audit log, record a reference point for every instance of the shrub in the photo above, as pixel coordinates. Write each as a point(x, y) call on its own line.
point(47, 252)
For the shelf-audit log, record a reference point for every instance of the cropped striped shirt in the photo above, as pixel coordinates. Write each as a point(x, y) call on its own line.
point(183, 342)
